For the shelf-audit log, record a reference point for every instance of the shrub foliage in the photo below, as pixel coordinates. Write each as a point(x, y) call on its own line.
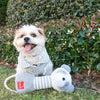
point(7, 50)
point(27, 11)
point(74, 42)
point(3, 7)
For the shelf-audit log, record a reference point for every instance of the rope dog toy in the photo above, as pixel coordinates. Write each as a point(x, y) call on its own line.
point(60, 80)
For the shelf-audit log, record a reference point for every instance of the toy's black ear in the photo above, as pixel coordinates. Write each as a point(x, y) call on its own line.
point(66, 67)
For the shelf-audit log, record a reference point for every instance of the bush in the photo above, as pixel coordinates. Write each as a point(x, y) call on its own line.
point(22, 11)
point(74, 42)
point(3, 7)
point(19, 12)
point(8, 52)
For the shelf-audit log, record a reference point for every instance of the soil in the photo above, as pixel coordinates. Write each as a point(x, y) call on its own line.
point(87, 80)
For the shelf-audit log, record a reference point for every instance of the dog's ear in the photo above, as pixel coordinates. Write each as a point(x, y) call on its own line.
point(14, 41)
point(41, 31)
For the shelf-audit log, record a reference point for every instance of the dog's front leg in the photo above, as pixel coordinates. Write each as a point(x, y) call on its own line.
point(48, 69)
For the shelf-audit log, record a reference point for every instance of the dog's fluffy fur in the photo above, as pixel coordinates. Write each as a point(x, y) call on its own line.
point(33, 57)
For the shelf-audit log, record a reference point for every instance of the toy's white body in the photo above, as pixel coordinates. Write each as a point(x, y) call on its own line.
point(60, 80)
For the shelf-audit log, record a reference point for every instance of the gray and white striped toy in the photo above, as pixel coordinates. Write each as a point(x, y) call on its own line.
point(60, 80)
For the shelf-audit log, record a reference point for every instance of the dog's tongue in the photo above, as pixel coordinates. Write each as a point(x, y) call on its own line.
point(28, 47)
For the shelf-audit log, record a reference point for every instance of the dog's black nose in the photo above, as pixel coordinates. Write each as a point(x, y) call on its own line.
point(26, 39)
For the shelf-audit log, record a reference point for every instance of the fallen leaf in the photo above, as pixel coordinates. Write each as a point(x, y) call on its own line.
point(95, 88)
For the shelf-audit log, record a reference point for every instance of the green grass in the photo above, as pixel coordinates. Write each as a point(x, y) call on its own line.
point(47, 94)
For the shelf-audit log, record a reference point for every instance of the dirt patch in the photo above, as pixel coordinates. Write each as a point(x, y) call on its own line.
point(9, 65)
point(91, 80)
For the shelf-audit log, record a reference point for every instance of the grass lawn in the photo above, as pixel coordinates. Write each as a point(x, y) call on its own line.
point(47, 94)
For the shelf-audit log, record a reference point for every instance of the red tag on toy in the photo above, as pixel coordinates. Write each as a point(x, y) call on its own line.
point(20, 85)
point(33, 90)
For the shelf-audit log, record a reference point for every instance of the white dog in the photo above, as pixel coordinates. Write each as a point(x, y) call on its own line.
point(33, 57)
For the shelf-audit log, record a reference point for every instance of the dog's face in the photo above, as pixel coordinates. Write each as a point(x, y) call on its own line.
point(29, 39)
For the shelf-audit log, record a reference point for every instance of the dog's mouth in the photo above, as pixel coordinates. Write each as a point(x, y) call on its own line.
point(28, 47)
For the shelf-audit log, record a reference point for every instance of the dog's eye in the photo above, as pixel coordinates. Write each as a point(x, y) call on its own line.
point(22, 36)
point(33, 35)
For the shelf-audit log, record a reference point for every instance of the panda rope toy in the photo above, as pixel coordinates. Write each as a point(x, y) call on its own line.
point(60, 80)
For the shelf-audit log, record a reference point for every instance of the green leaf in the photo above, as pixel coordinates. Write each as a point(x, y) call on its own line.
point(98, 67)
point(74, 68)
point(81, 33)
point(80, 41)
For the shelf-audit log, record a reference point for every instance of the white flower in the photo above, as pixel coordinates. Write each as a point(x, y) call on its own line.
point(70, 31)
point(93, 37)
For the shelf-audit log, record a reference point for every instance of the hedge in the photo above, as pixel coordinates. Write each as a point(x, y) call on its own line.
point(3, 7)
point(74, 42)
point(27, 11)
